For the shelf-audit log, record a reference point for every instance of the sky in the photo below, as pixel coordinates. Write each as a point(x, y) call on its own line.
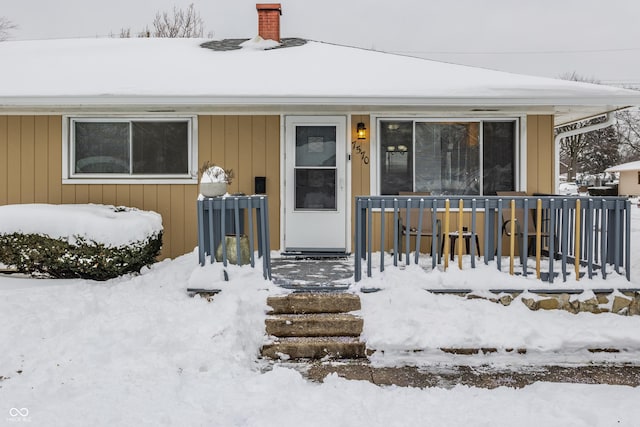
point(596, 39)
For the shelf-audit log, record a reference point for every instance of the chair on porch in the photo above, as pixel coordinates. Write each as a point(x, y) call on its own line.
point(411, 229)
point(519, 224)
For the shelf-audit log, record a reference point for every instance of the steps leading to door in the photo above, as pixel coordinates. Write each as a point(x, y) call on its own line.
point(307, 303)
point(315, 348)
point(314, 326)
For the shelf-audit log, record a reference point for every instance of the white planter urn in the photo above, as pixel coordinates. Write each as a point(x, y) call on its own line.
point(213, 189)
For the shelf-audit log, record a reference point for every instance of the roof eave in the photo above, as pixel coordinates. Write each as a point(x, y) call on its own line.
point(602, 104)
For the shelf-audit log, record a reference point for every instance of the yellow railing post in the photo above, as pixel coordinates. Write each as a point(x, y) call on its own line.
point(577, 243)
point(538, 236)
point(460, 230)
point(446, 234)
point(512, 237)
point(447, 241)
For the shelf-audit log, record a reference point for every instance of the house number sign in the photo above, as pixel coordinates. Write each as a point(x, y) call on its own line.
point(360, 151)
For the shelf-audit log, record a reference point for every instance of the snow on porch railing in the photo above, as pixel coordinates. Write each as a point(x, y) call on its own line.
point(580, 232)
point(226, 216)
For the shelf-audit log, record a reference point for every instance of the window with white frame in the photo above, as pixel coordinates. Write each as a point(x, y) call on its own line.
point(447, 157)
point(130, 147)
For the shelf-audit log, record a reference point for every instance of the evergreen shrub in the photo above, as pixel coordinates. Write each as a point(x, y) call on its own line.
point(58, 258)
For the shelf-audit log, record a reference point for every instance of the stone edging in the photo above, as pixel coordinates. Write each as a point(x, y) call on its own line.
point(626, 304)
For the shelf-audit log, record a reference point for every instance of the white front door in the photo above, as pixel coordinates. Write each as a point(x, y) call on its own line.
point(315, 188)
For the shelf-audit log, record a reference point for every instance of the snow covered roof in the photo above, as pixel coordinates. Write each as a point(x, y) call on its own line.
point(631, 166)
point(181, 74)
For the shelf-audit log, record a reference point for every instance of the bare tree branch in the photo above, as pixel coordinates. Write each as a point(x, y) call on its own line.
point(592, 152)
point(6, 27)
point(182, 24)
point(628, 128)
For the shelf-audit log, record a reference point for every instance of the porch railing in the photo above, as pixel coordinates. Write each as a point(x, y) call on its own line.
point(222, 216)
point(583, 233)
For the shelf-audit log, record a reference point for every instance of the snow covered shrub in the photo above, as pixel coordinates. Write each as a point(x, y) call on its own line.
point(84, 241)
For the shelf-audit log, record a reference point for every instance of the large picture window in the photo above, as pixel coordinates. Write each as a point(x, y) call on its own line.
point(447, 157)
point(130, 148)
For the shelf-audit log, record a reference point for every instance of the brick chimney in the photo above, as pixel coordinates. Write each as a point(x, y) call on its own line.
point(269, 20)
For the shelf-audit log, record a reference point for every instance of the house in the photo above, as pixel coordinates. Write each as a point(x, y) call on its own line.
point(129, 121)
point(629, 181)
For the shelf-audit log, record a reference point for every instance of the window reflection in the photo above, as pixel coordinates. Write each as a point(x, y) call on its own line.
point(499, 157)
point(315, 175)
point(449, 158)
point(316, 189)
point(396, 156)
point(315, 145)
point(445, 157)
point(101, 147)
point(131, 147)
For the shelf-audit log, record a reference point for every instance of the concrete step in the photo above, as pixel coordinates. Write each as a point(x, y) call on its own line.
point(315, 348)
point(314, 325)
point(304, 303)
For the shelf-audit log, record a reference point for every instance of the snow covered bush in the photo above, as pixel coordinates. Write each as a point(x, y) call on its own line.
point(86, 241)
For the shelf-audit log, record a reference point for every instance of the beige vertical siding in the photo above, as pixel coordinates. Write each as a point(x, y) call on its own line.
point(13, 161)
point(4, 157)
point(30, 159)
point(31, 172)
point(360, 165)
point(629, 182)
point(250, 145)
point(540, 155)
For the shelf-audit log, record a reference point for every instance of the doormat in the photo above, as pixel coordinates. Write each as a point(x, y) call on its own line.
point(316, 255)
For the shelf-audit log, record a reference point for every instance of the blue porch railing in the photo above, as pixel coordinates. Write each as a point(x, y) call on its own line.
point(585, 234)
point(223, 216)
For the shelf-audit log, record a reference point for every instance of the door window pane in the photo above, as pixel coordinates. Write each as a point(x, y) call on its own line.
point(316, 189)
point(499, 156)
point(316, 146)
point(101, 147)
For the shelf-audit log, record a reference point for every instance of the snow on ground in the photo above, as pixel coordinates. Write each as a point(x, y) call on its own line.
point(138, 351)
point(406, 318)
point(402, 317)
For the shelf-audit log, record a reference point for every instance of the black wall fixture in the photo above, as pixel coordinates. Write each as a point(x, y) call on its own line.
point(260, 184)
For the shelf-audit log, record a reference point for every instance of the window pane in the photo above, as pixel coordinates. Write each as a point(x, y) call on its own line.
point(101, 147)
point(396, 156)
point(316, 189)
point(448, 158)
point(160, 147)
point(499, 156)
point(315, 145)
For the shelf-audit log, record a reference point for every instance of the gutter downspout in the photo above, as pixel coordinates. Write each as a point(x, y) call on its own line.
point(611, 119)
